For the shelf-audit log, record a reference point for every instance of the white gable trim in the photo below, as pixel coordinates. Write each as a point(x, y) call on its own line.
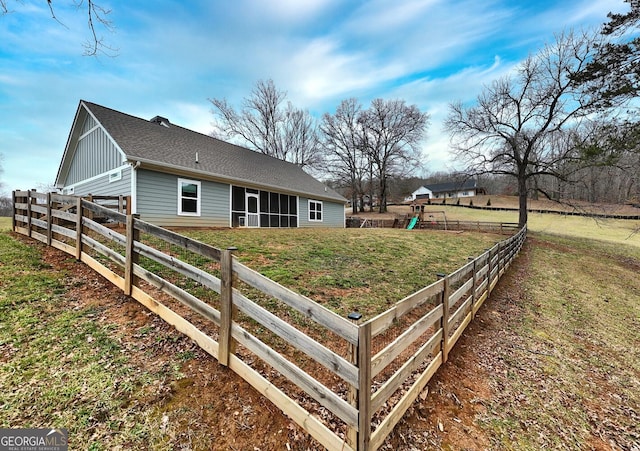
point(96, 177)
point(75, 137)
point(113, 141)
point(93, 129)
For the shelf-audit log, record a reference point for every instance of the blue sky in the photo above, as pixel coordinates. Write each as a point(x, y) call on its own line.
point(174, 55)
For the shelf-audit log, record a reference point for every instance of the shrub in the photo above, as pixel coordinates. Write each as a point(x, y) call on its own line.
point(489, 202)
point(471, 203)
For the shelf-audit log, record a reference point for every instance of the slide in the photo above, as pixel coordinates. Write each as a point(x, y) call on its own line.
point(413, 222)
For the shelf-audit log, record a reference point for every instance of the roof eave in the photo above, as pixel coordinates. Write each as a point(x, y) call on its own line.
point(207, 175)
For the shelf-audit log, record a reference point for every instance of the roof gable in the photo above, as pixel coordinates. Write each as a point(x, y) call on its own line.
point(83, 123)
point(162, 145)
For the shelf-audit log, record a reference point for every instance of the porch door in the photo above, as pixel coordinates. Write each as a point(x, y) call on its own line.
point(253, 210)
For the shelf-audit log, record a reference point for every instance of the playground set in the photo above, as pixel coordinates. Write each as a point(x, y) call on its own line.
point(425, 219)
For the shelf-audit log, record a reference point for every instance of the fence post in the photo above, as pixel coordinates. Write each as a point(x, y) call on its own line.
point(90, 199)
point(29, 200)
point(444, 322)
point(225, 342)
point(489, 269)
point(473, 287)
point(79, 229)
point(49, 220)
point(364, 386)
point(132, 257)
point(352, 395)
point(15, 211)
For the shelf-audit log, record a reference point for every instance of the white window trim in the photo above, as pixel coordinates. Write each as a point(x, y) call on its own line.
point(309, 210)
point(115, 176)
point(198, 198)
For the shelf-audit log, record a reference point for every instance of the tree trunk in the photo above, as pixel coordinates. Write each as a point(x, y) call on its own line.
point(382, 207)
point(522, 198)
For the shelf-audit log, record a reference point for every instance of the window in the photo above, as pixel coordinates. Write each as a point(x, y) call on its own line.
point(188, 197)
point(315, 210)
point(115, 176)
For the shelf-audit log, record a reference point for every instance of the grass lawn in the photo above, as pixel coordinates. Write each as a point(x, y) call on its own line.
point(609, 230)
point(565, 370)
point(5, 223)
point(562, 363)
point(367, 270)
point(62, 364)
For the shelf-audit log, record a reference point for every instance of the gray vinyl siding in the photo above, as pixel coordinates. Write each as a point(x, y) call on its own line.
point(89, 123)
point(95, 154)
point(100, 186)
point(332, 214)
point(157, 201)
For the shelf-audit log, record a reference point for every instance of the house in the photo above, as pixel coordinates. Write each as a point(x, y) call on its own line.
point(466, 188)
point(178, 177)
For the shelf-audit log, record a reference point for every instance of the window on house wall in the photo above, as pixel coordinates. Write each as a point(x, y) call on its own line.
point(189, 195)
point(115, 176)
point(315, 210)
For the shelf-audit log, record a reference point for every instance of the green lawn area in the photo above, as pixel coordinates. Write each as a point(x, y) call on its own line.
point(351, 269)
point(565, 365)
point(609, 230)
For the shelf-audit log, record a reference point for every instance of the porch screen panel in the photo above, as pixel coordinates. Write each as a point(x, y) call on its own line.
point(275, 209)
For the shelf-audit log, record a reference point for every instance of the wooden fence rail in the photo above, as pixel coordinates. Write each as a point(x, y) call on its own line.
point(389, 359)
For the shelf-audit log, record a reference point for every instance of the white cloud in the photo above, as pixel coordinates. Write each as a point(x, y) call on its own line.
point(290, 11)
point(174, 55)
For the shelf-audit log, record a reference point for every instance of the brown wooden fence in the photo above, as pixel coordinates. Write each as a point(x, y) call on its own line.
point(346, 384)
point(509, 228)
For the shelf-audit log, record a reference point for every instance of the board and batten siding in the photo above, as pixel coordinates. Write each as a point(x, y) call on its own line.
point(95, 154)
point(104, 184)
point(157, 201)
point(332, 214)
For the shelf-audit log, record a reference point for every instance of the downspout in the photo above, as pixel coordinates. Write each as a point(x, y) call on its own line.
point(134, 187)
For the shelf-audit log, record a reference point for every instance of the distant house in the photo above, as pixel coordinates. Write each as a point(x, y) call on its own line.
point(467, 188)
point(178, 177)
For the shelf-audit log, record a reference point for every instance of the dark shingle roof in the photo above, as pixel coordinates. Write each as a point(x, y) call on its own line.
point(466, 184)
point(175, 148)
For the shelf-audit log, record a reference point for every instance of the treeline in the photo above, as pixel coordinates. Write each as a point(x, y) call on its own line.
point(605, 184)
point(6, 206)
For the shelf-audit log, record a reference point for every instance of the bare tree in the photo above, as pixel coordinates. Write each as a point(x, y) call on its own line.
point(96, 15)
point(342, 141)
point(613, 150)
point(393, 132)
point(266, 125)
point(523, 124)
point(1, 172)
point(6, 205)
